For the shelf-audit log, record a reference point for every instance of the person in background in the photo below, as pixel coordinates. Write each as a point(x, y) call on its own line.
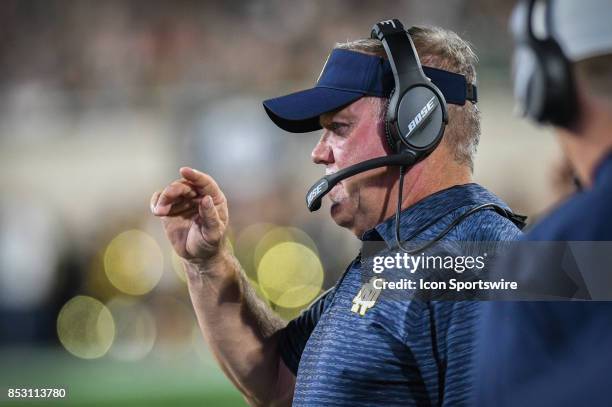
point(558, 353)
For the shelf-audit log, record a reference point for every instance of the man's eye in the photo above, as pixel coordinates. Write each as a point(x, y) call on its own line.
point(338, 128)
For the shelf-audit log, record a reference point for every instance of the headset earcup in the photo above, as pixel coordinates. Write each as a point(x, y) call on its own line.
point(560, 105)
point(550, 94)
point(543, 78)
point(422, 116)
point(535, 93)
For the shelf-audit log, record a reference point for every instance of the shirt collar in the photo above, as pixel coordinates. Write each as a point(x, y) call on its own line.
point(429, 209)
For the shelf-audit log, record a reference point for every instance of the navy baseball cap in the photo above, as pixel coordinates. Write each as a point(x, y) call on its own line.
point(347, 76)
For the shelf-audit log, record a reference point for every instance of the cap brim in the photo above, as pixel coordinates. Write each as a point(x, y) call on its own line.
point(299, 112)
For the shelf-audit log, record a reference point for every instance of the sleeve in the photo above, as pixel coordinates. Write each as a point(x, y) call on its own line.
point(294, 336)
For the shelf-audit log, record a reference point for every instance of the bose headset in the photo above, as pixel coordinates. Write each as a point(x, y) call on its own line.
point(414, 125)
point(543, 76)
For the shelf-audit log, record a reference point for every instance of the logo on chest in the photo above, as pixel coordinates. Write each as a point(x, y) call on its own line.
point(366, 297)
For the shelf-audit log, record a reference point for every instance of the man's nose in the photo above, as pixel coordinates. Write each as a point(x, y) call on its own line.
point(322, 153)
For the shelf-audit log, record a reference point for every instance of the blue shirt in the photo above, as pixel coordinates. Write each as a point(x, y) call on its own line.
point(553, 353)
point(400, 353)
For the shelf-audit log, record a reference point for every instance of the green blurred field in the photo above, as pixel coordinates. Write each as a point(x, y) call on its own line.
point(184, 380)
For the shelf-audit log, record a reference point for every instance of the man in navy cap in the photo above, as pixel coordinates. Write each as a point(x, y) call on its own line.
point(551, 353)
point(348, 348)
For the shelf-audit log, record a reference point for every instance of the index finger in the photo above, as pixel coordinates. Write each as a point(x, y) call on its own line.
point(203, 182)
point(153, 202)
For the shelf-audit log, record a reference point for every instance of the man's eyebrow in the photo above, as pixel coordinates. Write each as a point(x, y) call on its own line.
point(327, 119)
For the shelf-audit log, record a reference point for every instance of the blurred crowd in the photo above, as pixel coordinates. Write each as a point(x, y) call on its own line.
point(102, 102)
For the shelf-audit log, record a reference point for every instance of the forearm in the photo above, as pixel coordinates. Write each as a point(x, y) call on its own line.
point(240, 330)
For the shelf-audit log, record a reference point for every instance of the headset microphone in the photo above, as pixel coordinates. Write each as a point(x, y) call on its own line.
point(324, 185)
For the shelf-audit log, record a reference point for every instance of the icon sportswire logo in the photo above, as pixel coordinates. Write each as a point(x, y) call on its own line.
point(422, 115)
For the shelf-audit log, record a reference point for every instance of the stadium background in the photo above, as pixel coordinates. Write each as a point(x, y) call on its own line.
point(102, 102)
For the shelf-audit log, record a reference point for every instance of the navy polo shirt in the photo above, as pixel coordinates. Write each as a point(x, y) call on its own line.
point(400, 353)
point(553, 353)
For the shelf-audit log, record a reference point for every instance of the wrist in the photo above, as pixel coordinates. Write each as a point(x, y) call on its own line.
point(210, 266)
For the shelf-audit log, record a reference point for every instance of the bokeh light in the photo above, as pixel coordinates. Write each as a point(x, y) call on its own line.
point(85, 327)
point(247, 241)
point(133, 262)
point(177, 266)
point(279, 235)
point(290, 275)
point(135, 330)
point(95, 279)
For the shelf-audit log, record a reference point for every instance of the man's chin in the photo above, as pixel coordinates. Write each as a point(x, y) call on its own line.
point(339, 215)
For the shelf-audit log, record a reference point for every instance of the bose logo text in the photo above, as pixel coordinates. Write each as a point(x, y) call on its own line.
point(422, 115)
point(316, 191)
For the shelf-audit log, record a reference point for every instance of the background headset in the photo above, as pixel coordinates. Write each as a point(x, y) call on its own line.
point(543, 77)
